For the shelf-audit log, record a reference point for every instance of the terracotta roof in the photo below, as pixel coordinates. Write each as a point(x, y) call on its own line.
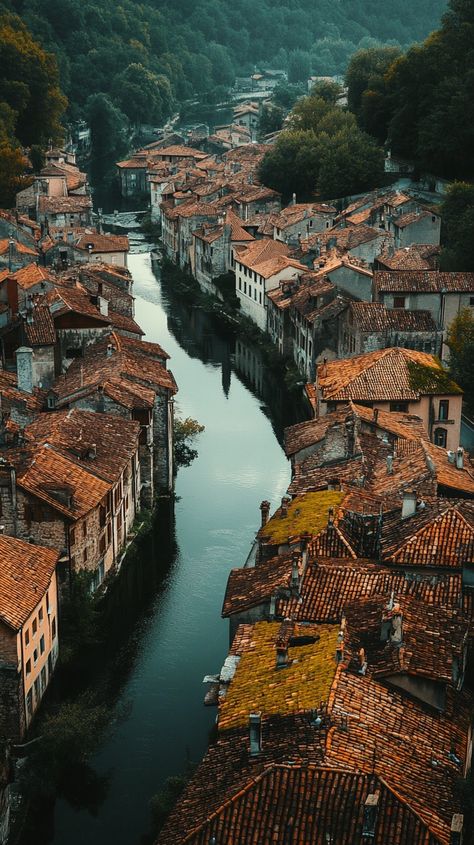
point(62, 484)
point(254, 585)
point(375, 317)
point(428, 281)
point(128, 376)
point(32, 275)
point(329, 585)
point(449, 475)
point(412, 217)
point(39, 327)
point(181, 151)
point(383, 375)
point(9, 391)
point(413, 257)
point(238, 233)
point(57, 205)
point(102, 243)
point(25, 575)
point(302, 685)
point(434, 639)
point(301, 211)
point(268, 257)
point(440, 535)
point(102, 444)
point(77, 299)
point(17, 246)
point(345, 239)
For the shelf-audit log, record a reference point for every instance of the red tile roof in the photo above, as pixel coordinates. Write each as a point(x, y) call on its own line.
point(428, 281)
point(25, 574)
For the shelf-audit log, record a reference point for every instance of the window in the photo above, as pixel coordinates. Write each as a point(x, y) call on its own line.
point(440, 437)
point(29, 702)
point(240, 284)
point(85, 556)
point(245, 287)
point(443, 409)
point(471, 301)
point(40, 614)
point(401, 407)
point(28, 667)
point(42, 646)
point(84, 528)
point(27, 636)
point(72, 536)
point(250, 292)
point(399, 302)
point(260, 297)
point(37, 690)
point(43, 679)
point(53, 628)
point(35, 656)
point(35, 626)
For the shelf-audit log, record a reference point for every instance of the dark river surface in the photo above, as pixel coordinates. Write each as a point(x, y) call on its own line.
point(167, 632)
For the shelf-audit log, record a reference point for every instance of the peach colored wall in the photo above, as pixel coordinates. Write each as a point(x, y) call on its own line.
point(35, 658)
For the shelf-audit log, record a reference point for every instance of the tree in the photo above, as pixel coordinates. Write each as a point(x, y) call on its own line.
point(142, 95)
point(184, 433)
point(457, 230)
point(12, 169)
point(292, 164)
point(271, 119)
point(327, 90)
point(460, 340)
point(29, 84)
point(350, 163)
point(366, 72)
point(299, 66)
point(108, 135)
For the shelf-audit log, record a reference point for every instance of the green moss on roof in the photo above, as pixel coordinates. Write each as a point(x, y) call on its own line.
point(306, 514)
point(435, 379)
point(258, 686)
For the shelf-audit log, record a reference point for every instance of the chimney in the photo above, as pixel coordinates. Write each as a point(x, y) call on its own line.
point(110, 349)
point(103, 306)
point(265, 512)
point(389, 464)
point(451, 456)
point(92, 452)
point(371, 808)
point(340, 641)
point(396, 636)
point(284, 507)
point(294, 199)
point(457, 824)
point(376, 415)
point(460, 458)
point(386, 626)
point(2, 529)
point(324, 368)
point(362, 661)
point(409, 503)
point(331, 518)
point(350, 439)
point(24, 369)
point(255, 733)
point(281, 647)
point(295, 573)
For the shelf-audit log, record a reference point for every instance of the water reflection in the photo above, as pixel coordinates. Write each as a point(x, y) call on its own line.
point(163, 615)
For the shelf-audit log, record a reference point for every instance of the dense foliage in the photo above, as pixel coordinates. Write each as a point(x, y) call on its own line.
point(423, 102)
point(461, 354)
point(31, 103)
point(323, 153)
point(458, 228)
point(123, 48)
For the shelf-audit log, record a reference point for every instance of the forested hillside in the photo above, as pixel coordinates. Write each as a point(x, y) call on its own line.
point(422, 103)
point(145, 55)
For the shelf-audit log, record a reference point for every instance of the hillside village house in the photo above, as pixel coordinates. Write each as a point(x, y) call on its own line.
point(258, 269)
point(442, 294)
point(14, 255)
point(395, 380)
point(74, 486)
point(214, 247)
point(29, 637)
point(302, 219)
point(423, 227)
point(367, 326)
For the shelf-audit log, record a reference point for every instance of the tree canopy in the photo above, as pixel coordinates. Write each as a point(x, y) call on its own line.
point(422, 101)
point(324, 154)
point(201, 46)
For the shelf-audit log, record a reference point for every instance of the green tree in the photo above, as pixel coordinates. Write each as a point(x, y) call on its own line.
point(142, 95)
point(457, 228)
point(108, 134)
point(292, 164)
point(29, 84)
point(185, 433)
point(366, 72)
point(460, 340)
point(271, 119)
point(350, 163)
point(327, 90)
point(299, 66)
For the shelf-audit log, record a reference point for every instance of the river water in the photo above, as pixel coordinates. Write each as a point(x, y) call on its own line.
point(167, 631)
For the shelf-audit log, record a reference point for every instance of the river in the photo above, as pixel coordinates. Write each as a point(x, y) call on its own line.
point(168, 632)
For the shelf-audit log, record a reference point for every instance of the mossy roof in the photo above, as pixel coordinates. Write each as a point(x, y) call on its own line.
point(306, 514)
point(259, 686)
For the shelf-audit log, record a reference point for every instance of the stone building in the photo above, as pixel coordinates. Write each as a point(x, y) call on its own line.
point(367, 326)
point(29, 637)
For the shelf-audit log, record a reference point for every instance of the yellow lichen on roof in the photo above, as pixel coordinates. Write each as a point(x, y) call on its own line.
point(306, 514)
point(301, 685)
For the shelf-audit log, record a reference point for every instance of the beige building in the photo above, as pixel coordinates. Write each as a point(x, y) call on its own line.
point(29, 642)
point(395, 379)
